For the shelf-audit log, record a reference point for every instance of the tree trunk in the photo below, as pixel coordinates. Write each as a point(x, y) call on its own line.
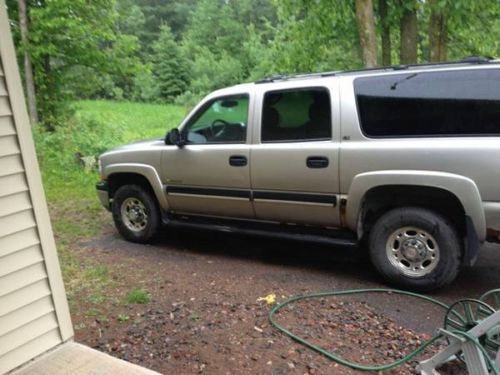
point(438, 34)
point(408, 32)
point(366, 29)
point(386, 33)
point(28, 67)
point(50, 97)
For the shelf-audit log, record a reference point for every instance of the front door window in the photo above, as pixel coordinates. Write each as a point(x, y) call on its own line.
point(222, 120)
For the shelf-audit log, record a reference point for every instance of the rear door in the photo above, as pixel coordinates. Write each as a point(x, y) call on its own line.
point(295, 156)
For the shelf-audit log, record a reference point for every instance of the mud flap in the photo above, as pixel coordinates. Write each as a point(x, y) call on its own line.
point(472, 244)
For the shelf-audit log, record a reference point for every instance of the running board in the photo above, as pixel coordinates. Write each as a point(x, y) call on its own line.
point(341, 239)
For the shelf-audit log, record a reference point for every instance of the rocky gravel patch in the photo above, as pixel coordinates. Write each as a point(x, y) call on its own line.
point(204, 315)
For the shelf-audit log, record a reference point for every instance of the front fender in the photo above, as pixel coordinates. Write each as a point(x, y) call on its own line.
point(462, 187)
point(144, 170)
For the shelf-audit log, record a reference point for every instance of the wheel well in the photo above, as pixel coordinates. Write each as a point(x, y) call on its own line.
point(379, 200)
point(117, 180)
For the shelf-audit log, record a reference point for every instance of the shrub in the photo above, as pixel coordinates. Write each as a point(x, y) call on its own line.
point(81, 138)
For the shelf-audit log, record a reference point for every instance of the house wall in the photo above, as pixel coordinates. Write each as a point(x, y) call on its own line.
point(34, 315)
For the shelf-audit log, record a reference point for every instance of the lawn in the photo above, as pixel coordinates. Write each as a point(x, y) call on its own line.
point(76, 213)
point(138, 120)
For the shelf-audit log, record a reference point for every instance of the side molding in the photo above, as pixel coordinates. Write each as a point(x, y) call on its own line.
point(144, 170)
point(462, 187)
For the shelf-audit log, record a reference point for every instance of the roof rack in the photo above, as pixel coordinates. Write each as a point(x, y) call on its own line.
point(465, 60)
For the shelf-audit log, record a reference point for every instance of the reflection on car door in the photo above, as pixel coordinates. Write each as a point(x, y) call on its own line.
point(210, 175)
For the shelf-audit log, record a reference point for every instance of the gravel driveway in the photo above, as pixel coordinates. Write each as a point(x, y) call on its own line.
point(204, 316)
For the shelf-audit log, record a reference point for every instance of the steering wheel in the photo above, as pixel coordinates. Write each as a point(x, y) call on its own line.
point(215, 133)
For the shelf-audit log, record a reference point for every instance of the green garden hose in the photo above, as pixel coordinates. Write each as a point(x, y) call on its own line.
point(358, 366)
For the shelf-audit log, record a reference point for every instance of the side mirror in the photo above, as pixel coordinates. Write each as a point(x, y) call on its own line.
point(174, 137)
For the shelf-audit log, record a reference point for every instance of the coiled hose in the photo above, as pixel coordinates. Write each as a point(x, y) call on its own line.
point(359, 366)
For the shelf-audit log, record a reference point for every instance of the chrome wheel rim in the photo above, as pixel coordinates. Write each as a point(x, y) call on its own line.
point(134, 214)
point(413, 251)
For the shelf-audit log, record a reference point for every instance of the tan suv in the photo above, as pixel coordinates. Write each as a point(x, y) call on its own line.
point(402, 159)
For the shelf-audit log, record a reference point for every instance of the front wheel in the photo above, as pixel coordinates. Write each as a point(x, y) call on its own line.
point(135, 213)
point(415, 248)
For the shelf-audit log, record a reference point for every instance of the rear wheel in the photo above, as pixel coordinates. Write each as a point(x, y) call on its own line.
point(415, 248)
point(135, 213)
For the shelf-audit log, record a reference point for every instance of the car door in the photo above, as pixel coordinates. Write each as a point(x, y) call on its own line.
point(210, 174)
point(294, 161)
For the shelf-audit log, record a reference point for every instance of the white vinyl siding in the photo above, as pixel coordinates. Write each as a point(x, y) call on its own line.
point(33, 311)
point(6, 126)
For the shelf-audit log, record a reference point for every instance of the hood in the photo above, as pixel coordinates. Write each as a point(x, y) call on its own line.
point(140, 145)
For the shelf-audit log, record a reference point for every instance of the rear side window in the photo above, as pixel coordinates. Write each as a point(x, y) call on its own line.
point(296, 115)
point(451, 103)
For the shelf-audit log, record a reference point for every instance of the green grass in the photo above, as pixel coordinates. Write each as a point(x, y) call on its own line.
point(139, 296)
point(122, 318)
point(138, 120)
point(76, 213)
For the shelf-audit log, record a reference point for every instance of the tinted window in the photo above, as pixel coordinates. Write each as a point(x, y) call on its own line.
point(222, 120)
point(433, 103)
point(296, 115)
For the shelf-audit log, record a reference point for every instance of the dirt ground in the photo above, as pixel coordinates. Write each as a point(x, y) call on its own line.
point(204, 317)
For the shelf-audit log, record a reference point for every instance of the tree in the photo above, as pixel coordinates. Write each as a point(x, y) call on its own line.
point(386, 32)
point(131, 20)
point(28, 67)
point(69, 34)
point(438, 32)
point(169, 66)
point(315, 36)
point(408, 32)
point(366, 28)
point(175, 13)
point(223, 45)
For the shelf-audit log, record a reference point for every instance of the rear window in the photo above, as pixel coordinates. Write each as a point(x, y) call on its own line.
point(451, 103)
point(302, 114)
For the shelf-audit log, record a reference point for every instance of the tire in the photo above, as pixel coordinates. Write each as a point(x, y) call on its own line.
point(415, 248)
point(136, 213)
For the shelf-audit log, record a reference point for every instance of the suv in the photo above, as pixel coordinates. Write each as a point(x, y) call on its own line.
point(404, 159)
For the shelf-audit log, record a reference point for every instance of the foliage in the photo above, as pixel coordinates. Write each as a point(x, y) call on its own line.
point(165, 51)
point(176, 14)
point(146, 88)
point(122, 317)
point(225, 43)
point(70, 40)
point(169, 66)
point(315, 36)
point(139, 296)
point(474, 27)
point(131, 19)
point(96, 126)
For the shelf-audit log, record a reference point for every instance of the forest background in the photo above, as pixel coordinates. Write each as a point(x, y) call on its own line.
point(176, 51)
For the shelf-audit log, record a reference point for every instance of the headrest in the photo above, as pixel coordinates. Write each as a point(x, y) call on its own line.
point(271, 117)
point(319, 112)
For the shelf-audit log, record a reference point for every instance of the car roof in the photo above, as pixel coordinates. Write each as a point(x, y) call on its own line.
point(468, 62)
point(472, 61)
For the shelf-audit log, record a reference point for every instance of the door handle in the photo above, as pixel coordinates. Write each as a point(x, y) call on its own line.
point(317, 162)
point(238, 160)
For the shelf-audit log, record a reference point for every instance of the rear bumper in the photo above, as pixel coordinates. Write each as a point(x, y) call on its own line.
point(102, 190)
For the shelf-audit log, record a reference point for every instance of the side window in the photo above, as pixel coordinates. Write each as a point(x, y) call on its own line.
point(449, 103)
point(222, 120)
point(296, 115)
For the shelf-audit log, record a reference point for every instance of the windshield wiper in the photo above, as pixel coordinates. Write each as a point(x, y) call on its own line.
point(395, 84)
